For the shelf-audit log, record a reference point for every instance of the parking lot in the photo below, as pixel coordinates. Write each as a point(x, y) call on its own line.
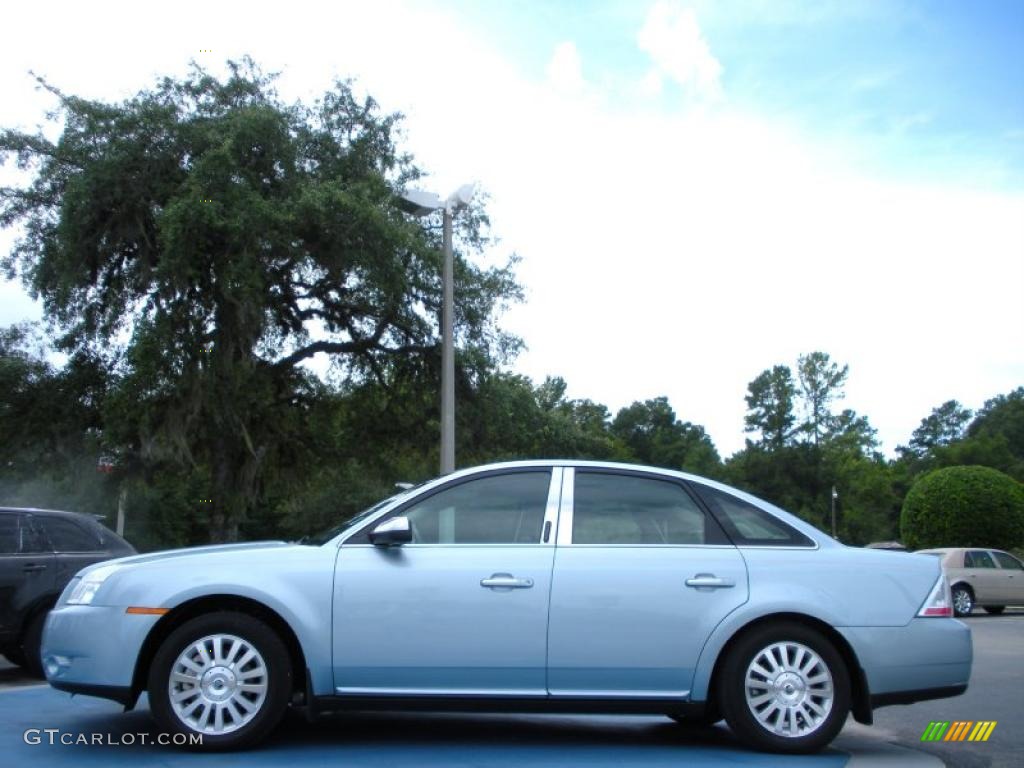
point(492, 740)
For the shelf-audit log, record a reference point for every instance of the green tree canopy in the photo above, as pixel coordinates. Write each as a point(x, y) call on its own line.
point(770, 399)
point(944, 425)
point(204, 239)
point(821, 384)
point(653, 435)
point(964, 507)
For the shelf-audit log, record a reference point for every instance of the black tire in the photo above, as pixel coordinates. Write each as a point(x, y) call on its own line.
point(964, 604)
point(278, 679)
point(732, 689)
point(31, 643)
point(15, 656)
point(995, 610)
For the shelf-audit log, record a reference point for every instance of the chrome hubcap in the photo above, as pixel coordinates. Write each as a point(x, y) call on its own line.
point(789, 689)
point(218, 684)
point(962, 601)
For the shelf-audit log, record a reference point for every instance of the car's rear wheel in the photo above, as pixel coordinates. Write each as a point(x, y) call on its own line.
point(995, 610)
point(225, 676)
point(784, 688)
point(963, 600)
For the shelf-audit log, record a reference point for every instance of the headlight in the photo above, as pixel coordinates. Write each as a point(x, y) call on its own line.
point(86, 587)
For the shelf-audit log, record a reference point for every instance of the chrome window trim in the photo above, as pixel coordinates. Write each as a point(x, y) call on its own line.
point(657, 546)
point(427, 490)
point(792, 547)
point(565, 517)
point(565, 510)
point(423, 545)
point(551, 510)
point(564, 534)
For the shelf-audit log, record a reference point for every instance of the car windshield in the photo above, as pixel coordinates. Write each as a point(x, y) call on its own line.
point(323, 537)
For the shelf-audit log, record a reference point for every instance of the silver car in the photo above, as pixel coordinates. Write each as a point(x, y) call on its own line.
point(987, 578)
point(541, 586)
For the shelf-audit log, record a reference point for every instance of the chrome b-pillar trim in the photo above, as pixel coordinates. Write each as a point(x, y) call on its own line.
point(565, 509)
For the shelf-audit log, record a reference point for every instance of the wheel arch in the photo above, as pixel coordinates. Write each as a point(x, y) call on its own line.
point(860, 693)
point(966, 585)
point(199, 606)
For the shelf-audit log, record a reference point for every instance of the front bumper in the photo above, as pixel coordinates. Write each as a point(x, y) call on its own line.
point(93, 649)
point(925, 659)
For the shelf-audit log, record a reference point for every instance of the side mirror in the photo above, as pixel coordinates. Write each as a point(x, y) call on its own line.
point(393, 532)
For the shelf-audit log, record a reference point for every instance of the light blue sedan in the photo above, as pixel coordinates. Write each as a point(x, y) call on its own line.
point(542, 586)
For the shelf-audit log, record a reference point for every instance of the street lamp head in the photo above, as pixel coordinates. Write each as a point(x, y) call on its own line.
point(419, 202)
point(462, 196)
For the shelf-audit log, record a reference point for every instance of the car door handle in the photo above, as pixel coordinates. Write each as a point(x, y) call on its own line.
point(34, 567)
point(709, 580)
point(505, 581)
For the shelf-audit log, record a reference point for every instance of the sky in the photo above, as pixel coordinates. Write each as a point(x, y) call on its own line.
point(697, 190)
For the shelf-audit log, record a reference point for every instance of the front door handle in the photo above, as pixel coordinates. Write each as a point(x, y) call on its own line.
point(709, 581)
point(505, 581)
point(34, 567)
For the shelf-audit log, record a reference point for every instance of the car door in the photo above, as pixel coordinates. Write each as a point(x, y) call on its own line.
point(26, 572)
point(983, 576)
point(74, 544)
point(1011, 577)
point(463, 608)
point(642, 575)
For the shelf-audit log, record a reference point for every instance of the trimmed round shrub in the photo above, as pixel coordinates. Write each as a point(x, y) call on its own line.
point(963, 507)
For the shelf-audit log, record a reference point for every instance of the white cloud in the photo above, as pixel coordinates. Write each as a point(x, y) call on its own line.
point(665, 252)
point(565, 72)
point(672, 37)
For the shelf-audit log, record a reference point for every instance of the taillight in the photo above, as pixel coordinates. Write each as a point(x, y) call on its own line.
point(940, 601)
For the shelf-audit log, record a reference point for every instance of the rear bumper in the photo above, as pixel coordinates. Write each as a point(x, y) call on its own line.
point(910, 697)
point(93, 649)
point(925, 659)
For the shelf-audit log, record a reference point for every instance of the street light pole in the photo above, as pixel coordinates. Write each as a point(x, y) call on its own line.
point(448, 352)
point(420, 203)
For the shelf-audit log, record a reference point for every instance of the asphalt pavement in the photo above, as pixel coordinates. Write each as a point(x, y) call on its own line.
point(996, 693)
point(27, 708)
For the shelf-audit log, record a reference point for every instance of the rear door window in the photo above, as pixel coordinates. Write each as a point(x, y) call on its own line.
point(625, 509)
point(67, 536)
point(1008, 561)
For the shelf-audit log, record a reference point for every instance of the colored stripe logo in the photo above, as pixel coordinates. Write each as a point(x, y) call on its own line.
point(958, 730)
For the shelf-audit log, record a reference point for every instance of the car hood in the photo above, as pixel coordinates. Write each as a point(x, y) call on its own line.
point(213, 551)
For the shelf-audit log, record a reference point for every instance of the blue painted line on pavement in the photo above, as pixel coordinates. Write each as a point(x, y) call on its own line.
point(376, 740)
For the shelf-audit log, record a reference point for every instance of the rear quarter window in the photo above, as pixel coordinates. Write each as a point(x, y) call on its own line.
point(747, 524)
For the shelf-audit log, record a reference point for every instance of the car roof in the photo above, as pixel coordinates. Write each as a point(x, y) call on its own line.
point(55, 512)
point(546, 463)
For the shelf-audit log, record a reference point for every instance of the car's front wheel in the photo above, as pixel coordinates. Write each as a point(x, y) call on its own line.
point(784, 688)
point(223, 676)
point(963, 600)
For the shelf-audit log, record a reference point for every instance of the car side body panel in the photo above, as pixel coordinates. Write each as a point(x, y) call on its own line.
point(294, 581)
point(850, 588)
point(607, 632)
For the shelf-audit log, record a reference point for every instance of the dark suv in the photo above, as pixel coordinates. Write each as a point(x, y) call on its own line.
point(40, 550)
